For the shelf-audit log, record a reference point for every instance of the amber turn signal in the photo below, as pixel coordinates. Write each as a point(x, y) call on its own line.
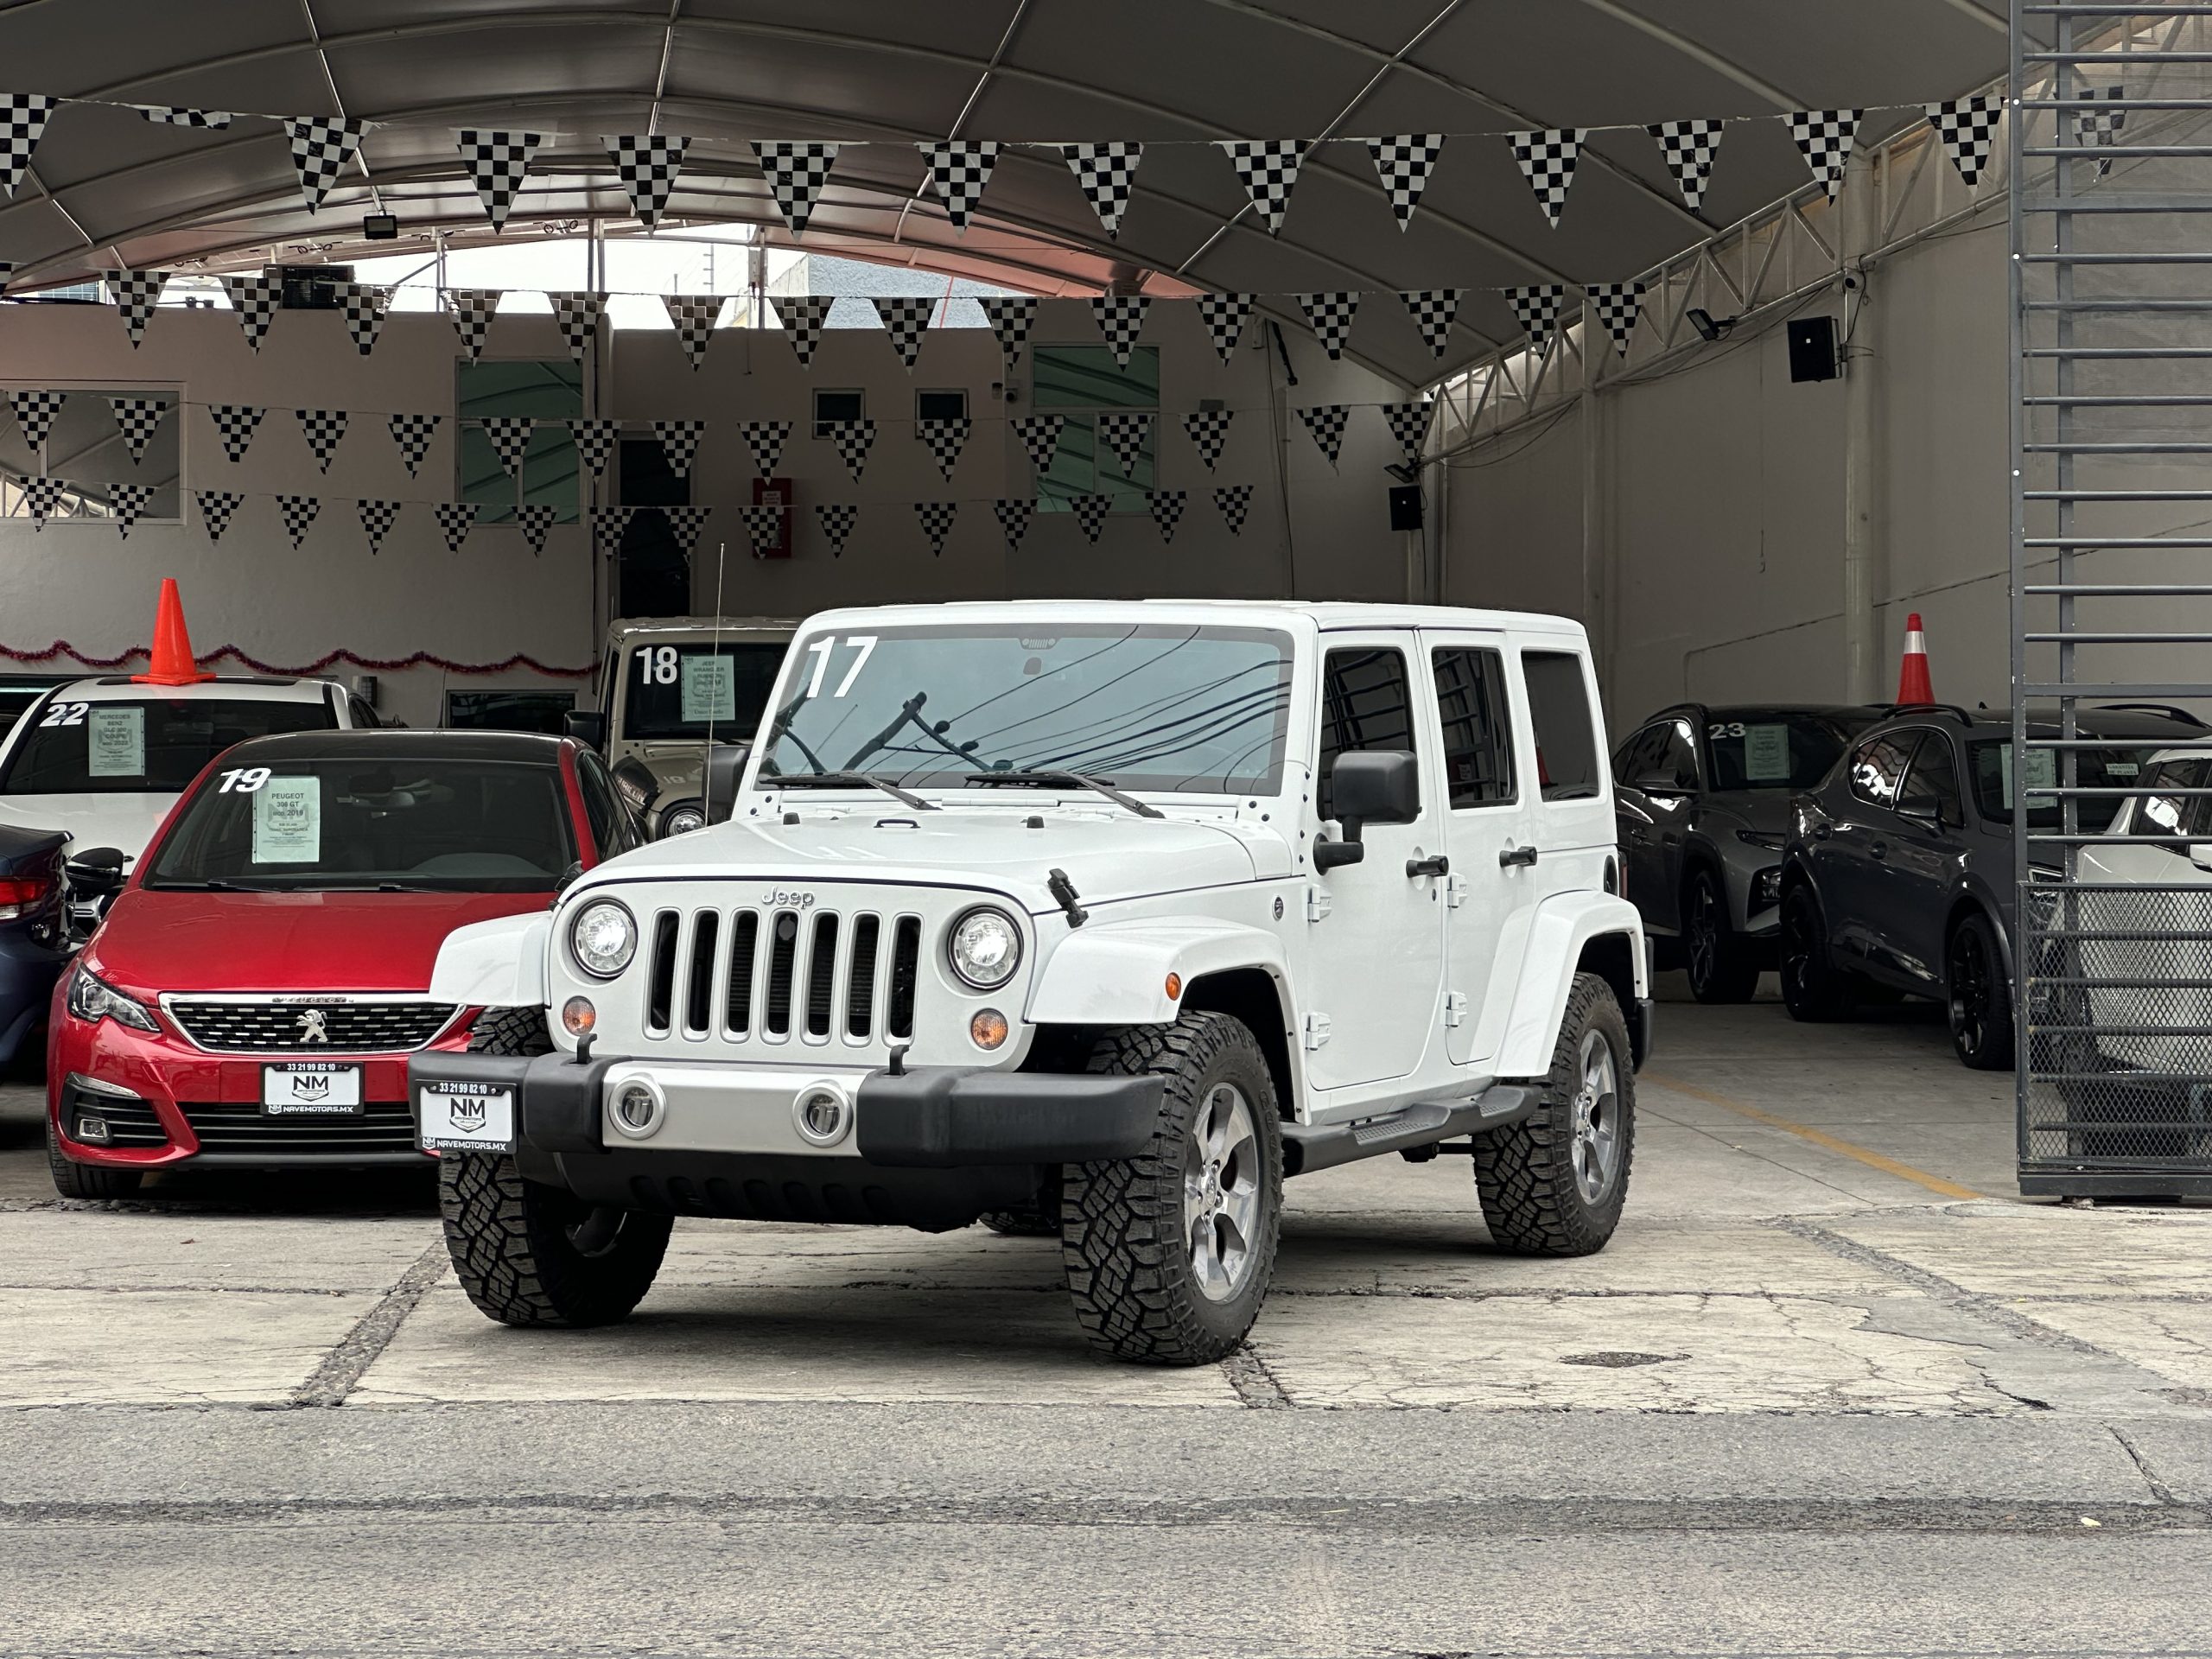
point(987, 1028)
point(1174, 986)
point(578, 1016)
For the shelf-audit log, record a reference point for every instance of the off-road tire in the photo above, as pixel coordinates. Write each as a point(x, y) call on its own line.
point(1121, 1238)
point(1524, 1174)
point(75, 1181)
point(1978, 997)
point(1816, 991)
point(1729, 971)
point(528, 1254)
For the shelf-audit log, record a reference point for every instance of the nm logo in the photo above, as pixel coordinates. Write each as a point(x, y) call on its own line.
point(467, 1116)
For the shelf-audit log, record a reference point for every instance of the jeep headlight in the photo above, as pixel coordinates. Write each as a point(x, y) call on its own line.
point(984, 948)
point(602, 939)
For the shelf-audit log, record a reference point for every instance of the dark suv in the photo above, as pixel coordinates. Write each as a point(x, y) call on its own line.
point(1702, 801)
point(1898, 876)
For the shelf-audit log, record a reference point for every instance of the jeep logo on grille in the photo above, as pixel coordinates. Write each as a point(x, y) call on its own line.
point(784, 899)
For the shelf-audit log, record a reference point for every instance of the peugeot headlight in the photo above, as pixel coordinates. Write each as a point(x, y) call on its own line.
point(602, 939)
point(984, 948)
point(94, 1000)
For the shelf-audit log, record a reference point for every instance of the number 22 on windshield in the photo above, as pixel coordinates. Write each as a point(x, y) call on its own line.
point(822, 650)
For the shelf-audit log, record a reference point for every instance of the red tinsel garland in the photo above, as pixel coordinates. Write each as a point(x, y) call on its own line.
point(421, 658)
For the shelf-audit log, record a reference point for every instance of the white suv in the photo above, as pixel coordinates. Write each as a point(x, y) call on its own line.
point(1094, 920)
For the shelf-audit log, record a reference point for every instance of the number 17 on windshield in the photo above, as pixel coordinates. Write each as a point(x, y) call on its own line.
point(862, 645)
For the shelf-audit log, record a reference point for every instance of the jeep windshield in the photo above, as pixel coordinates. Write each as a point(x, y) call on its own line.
point(145, 746)
point(1149, 707)
point(371, 826)
point(680, 691)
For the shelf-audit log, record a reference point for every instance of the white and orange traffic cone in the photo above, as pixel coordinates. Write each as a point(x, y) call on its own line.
point(172, 662)
point(1913, 684)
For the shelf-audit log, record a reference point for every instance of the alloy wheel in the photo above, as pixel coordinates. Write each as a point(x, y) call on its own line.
point(1970, 990)
point(1221, 1194)
point(1704, 929)
point(1596, 1126)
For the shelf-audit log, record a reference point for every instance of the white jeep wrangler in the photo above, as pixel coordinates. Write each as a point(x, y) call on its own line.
point(1091, 919)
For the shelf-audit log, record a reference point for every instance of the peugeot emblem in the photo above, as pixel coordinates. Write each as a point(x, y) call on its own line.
point(312, 1028)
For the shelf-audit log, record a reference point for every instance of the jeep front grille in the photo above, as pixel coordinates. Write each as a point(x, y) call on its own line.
point(765, 971)
point(250, 1027)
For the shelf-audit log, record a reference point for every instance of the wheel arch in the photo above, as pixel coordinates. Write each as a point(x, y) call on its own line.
point(1255, 998)
point(1572, 933)
point(1967, 901)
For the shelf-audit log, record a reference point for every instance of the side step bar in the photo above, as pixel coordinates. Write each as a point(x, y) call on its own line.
point(1309, 1146)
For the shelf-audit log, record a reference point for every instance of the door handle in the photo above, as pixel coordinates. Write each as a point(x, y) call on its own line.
point(1513, 856)
point(1878, 849)
point(1438, 865)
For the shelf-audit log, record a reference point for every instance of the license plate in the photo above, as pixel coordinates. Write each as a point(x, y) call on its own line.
point(310, 1088)
point(466, 1117)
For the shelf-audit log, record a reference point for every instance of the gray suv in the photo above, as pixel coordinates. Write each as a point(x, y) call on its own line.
point(1702, 798)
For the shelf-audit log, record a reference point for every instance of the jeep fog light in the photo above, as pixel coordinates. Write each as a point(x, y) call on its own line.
point(987, 1028)
point(638, 1107)
point(824, 1116)
point(578, 1016)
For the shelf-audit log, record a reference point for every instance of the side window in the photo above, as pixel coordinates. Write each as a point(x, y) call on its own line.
point(1644, 753)
point(1478, 727)
point(1878, 767)
point(1366, 703)
point(361, 714)
point(1565, 728)
point(1678, 758)
point(2184, 818)
point(610, 825)
point(1934, 773)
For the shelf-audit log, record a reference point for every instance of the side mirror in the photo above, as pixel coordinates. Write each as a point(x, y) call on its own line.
point(1369, 786)
point(2200, 853)
point(1924, 809)
point(725, 768)
point(638, 785)
point(97, 871)
point(588, 728)
point(1660, 783)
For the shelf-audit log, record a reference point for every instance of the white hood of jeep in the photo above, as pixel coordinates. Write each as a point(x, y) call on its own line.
point(1107, 855)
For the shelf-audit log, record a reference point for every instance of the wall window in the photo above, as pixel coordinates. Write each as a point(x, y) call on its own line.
point(550, 393)
point(1566, 727)
point(1083, 383)
point(1366, 703)
point(84, 446)
point(1478, 727)
point(837, 406)
point(941, 405)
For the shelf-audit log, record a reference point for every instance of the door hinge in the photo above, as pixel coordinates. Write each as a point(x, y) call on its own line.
point(1317, 903)
point(1455, 1007)
point(1455, 891)
point(1317, 1031)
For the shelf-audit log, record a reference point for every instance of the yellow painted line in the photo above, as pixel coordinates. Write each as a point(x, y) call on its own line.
point(1935, 1184)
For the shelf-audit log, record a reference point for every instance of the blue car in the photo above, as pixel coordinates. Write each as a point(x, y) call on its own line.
point(33, 943)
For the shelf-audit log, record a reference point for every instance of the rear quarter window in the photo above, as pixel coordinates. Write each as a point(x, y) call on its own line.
point(1567, 766)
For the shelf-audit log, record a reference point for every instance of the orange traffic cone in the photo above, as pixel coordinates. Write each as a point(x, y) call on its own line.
point(172, 663)
point(1913, 684)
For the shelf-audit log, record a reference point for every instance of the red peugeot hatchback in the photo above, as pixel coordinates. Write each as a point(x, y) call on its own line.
point(252, 994)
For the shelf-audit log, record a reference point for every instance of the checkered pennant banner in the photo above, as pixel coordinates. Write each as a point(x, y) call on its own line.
point(796, 175)
point(235, 425)
point(1547, 157)
point(376, 518)
point(1326, 422)
point(577, 315)
point(1106, 174)
point(136, 293)
point(1011, 318)
point(906, 321)
point(1619, 305)
point(509, 437)
point(363, 308)
point(1233, 502)
point(1120, 320)
point(1090, 512)
point(762, 525)
point(1040, 436)
point(298, 512)
point(322, 150)
point(1127, 435)
point(456, 519)
point(608, 525)
point(679, 442)
point(129, 501)
point(1224, 316)
point(1409, 424)
point(935, 519)
point(1536, 309)
point(1208, 431)
point(837, 520)
point(1967, 128)
point(413, 433)
point(216, 507)
point(1403, 163)
point(1330, 315)
point(137, 418)
point(1689, 147)
point(958, 170)
point(695, 316)
point(536, 518)
point(2101, 126)
point(323, 428)
point(854, 439)
point(1167, 509)
point(169, 115)
point(803, 317)
point(1013, 518)
point(1267, 168)
point(648, 167)
point(685, 523)
point(41, 497)
point(254, 299)
point(23, 117)
point(1825, 137)
point(945, 439)
point(36, 412)
point(498, 162)
point(1434, 311)
point(472, 310)
point(765, 439)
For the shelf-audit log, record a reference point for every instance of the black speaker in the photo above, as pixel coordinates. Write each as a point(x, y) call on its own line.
point(1405, 506)
point(1812, 349)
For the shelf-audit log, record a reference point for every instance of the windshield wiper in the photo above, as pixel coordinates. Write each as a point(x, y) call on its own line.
point(850, 780)
point(206, 886)
point(1098, 785)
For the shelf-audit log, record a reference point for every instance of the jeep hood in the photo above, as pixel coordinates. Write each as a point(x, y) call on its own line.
point(1108, 855)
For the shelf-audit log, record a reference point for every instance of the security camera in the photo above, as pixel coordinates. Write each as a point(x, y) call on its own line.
point(1709, 327)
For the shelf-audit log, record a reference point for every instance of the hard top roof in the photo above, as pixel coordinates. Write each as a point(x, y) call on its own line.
point(389, 743)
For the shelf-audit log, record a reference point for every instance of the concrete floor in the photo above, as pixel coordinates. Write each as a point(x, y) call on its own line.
point(1832, 1389)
